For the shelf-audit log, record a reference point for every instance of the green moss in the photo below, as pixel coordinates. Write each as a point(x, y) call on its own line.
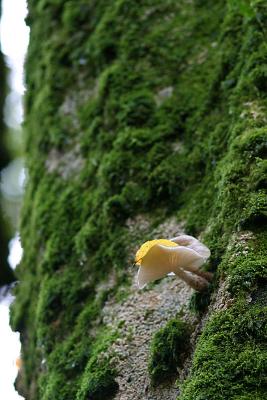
point(168, 350)
point(230, 355)
point(98, 378)
point(199, 301)
point(91, 375)
point(137, 110)
point(56, 295)
point(246, 262)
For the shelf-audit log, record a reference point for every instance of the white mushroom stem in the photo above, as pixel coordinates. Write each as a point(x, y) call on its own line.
point(195, 270)
point(194, 281)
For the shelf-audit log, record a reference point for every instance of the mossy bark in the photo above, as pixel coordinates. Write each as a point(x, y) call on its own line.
point(140, 113)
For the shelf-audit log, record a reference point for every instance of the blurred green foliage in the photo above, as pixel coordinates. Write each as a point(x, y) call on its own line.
point(6, 275)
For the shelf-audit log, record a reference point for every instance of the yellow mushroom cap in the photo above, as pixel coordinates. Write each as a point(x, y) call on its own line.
point(157, 258)
point(144, 249)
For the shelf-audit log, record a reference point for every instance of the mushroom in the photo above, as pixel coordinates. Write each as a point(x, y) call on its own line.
point(182, 255)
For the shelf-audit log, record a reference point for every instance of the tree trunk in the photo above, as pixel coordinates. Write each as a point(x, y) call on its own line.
point(143, 120)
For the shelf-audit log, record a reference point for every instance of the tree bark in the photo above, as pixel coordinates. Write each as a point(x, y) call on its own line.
point(143, 120)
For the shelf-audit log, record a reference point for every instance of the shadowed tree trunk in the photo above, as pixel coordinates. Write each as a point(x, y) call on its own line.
point(143, 120)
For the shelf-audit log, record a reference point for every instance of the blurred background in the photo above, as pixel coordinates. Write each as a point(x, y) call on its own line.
point(14, 36)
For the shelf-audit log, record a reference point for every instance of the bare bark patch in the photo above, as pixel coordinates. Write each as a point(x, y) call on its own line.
point(138, 318)
point(67, 164)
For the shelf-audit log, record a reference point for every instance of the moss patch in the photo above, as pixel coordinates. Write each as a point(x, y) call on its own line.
point(98, 379)
point(168, 349)
point(231, 357)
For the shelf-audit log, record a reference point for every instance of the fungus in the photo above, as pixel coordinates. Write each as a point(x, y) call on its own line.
point(182, 255)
